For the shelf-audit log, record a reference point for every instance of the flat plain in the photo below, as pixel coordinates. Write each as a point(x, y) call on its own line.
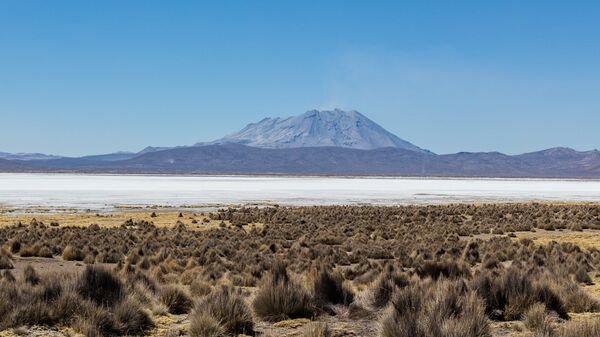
point(504, 269)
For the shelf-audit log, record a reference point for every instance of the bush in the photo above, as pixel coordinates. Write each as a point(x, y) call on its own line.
point(131, 319)
point(45, 252)
point(8, 276)
point(175, 299)
point(279, 298)
point(205, 325)
point(537, 320)
point(444, 309)
point(5, 262)
point(71, 253)
point(95, 321)
point(316, 329)
point(509, 295)
point(582, 276)
point(30, 275)
point(575, 299)
point(382, 289)
point(448, 269)
point(329, 288)
point(67, 306)
point(580, 329)
point(200, 288)
point(230, 310)
point(100, 286)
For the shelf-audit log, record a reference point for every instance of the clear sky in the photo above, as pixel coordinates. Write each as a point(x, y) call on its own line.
point(83, 77)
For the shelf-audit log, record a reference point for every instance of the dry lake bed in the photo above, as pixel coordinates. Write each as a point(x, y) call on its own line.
point(87, 191)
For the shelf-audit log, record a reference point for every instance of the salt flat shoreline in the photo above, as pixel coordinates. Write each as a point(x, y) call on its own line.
point(103, 191)
point(286, 175)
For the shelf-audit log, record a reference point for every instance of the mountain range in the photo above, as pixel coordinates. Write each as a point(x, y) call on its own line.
point(332, 142)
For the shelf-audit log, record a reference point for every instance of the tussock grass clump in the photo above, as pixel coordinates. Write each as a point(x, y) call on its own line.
point(580, 329)
point(64, 299)
point(205, 325)
point(95, 321)
point(228, 308)
point(71, 253)
point(536, 319)
point(316, 329)
point(447, 269)
point(131, 318)
point(329, 288)
point(5, 262)
point(199, 288)
point(382, 289)
point(511, 294)
point(8, 276)
point(582, 276)
point(280, 297)
point(30, 275)
point(175, 299)
point(100, 286)
point(575, 299)
point(445, 308)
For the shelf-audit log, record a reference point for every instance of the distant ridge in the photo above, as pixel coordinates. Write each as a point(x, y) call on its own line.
point(332, 142)
point(241, 159)
point(314, 128)
point(27, 156)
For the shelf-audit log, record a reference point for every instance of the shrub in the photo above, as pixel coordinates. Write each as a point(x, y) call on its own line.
point(200, 288)
point(15, 246)
point(175, 299)
point(8, 276)
point(71, 253)
point(131, 319)
point(448, 269)
point(574, 298)
point(45, 252)
point(537, 320)
point(5, 262)
point(580, 329)
point(316, 329)
point(100, 286)
point(205, 325)
point(29, 310)
point(95, 321)
point(67, 306)
point(230, 309)
point(382, 289)
point(509, 295)
point(30, 275)
point(329, 288)
point(279, 297)
point(444, 309)
point(582, 276)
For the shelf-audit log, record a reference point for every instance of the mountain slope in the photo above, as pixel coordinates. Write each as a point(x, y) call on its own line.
point(240, 159)
point(233, 158)
point(337, 128)
point(27, 156)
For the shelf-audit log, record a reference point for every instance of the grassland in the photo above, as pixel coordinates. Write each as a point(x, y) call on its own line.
point(452, 270)
point(160, 218)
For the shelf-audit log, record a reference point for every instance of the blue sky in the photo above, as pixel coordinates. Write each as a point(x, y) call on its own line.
point(81, 77)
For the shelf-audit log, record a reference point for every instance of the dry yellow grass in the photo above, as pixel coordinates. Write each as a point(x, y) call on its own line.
point(585, 316)
point(163, 218)
point(584, 239)
point(292, 323)
point(594, 289)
